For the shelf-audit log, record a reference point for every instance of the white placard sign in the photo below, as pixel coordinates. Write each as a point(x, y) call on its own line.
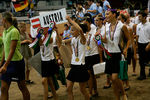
point(58, 16)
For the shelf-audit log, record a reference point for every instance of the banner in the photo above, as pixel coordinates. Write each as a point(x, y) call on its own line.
point(57, 16)
point(20, 4)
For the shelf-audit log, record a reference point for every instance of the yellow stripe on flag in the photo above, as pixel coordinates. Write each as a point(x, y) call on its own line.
point(21, 7)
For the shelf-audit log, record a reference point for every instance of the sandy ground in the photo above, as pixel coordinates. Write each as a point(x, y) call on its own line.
point(139, 90)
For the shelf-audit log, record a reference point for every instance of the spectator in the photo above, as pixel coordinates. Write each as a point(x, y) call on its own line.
point(143, 34)
point(99, 8)
point(80, 14)
point(92, 8)
point(106, 6)
point(25, 50)
point(66, 34)
point(86, 6)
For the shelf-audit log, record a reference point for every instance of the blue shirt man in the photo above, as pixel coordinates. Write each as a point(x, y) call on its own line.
point(99, 8)
point(106, 6)
point(93, 8)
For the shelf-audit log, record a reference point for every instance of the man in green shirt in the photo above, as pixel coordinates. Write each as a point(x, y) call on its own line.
point(12, 66)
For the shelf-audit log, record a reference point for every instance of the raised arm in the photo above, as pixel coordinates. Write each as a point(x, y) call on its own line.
point(83, 39)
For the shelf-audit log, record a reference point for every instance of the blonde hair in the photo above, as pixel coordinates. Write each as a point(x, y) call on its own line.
point(22, 24)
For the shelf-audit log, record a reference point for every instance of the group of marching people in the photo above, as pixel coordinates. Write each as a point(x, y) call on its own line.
point(118, 34)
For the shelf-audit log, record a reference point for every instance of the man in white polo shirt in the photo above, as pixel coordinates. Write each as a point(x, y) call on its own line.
point(143, 34)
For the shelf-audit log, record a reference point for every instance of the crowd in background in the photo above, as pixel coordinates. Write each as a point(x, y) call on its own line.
point(120, 36)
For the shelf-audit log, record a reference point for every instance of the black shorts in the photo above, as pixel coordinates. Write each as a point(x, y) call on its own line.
point(49, 68)
point(113, 64)
point(15, 71)
point(91, 60)
point(78, 73)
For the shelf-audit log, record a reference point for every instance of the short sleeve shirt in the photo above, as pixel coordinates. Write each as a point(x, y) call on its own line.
point(93, 7)
point(99, 9)
point(8, 35)
point(143, 31)
point(105, 8)
point(105, 5)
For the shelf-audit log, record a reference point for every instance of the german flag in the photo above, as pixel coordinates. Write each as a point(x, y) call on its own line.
point(20, 4)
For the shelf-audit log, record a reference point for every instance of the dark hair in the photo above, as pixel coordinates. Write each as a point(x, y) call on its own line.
point(84, 27)
point(88, 17)
point(86, 3)
point(124, 17)
point(114, 11)
point(66, 25)
point(91, 0)
point(98, 2)
point(8, 16)
point(100, 18)
point(15, 22)
point(141, 12)
point(144, 8)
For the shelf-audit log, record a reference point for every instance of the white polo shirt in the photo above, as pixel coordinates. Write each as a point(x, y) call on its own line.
point(143, 31)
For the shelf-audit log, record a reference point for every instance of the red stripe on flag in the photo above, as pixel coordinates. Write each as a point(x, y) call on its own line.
point(35, 20)
point(17, 5)
point(37, 25)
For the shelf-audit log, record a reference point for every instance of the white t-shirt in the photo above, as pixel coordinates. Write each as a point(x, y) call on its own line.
point(47, 52)
point(137, 21)
point(81, 51)
point(113, 45)
point(143, 31)
point(93, 27)
point(130, 25)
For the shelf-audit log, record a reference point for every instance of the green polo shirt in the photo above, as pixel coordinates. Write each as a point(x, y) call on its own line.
point(1, 48)
point(8, 35)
